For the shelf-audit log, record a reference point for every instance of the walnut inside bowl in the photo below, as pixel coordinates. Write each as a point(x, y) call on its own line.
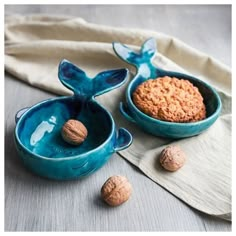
point(74, 132)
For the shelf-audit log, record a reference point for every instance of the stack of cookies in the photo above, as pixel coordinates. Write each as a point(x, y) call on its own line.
point(170, 99)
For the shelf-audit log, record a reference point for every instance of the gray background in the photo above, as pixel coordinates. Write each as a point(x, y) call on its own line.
point(36, 204)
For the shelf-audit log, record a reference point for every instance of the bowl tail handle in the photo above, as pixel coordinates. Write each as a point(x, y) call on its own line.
point(140, 60)
point(74, 78)
point(108, 80)
point(20, 113)
point(124, 110)
point(123, 139)
point(84, 87)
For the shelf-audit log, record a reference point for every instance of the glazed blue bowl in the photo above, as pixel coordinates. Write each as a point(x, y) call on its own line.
point(38, 129)
point(146, 70)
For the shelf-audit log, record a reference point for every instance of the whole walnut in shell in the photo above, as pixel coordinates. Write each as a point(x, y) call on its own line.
point(172, 158)
point(74, 132)
point(116, 190)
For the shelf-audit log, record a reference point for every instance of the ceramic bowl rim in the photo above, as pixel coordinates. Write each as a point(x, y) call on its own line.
point(181, 124)
point(84, 154)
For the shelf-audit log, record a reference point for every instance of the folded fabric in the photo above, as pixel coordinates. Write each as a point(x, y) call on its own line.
point(34, 46)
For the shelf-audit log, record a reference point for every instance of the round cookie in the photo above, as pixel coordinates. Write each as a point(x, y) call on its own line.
point(170, 99)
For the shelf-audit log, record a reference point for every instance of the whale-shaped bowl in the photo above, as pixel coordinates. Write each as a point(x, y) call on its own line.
point(146, 70)
point(38, 129)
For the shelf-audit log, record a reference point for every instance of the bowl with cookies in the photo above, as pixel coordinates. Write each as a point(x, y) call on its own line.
point(71, 137)
point(166, 103)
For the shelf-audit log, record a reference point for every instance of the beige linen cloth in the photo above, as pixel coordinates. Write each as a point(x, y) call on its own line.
point(34, 46)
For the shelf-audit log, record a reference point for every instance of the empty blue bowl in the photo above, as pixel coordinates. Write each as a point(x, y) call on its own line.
point(38, 129)
point(146, 70)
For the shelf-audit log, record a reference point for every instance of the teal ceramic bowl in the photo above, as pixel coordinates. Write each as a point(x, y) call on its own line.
point(38, 129)
point(146, 70)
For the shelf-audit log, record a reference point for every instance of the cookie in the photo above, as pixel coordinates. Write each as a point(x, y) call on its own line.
point(170, 99)
point(200, 116)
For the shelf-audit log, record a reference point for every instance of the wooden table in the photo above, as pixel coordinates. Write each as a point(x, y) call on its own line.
point(36, 204)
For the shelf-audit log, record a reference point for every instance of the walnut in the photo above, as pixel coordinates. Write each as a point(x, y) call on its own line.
point(116, 190)
point(172, 158)
point(74, 132)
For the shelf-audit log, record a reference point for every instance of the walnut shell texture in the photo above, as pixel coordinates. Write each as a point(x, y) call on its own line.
point(116, 190)
point(74, 132)
point(172, 158)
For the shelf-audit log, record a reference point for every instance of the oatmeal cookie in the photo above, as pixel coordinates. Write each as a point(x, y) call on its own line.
point(170, 99)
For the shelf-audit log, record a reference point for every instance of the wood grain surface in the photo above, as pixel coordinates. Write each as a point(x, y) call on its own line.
point(36, 204)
